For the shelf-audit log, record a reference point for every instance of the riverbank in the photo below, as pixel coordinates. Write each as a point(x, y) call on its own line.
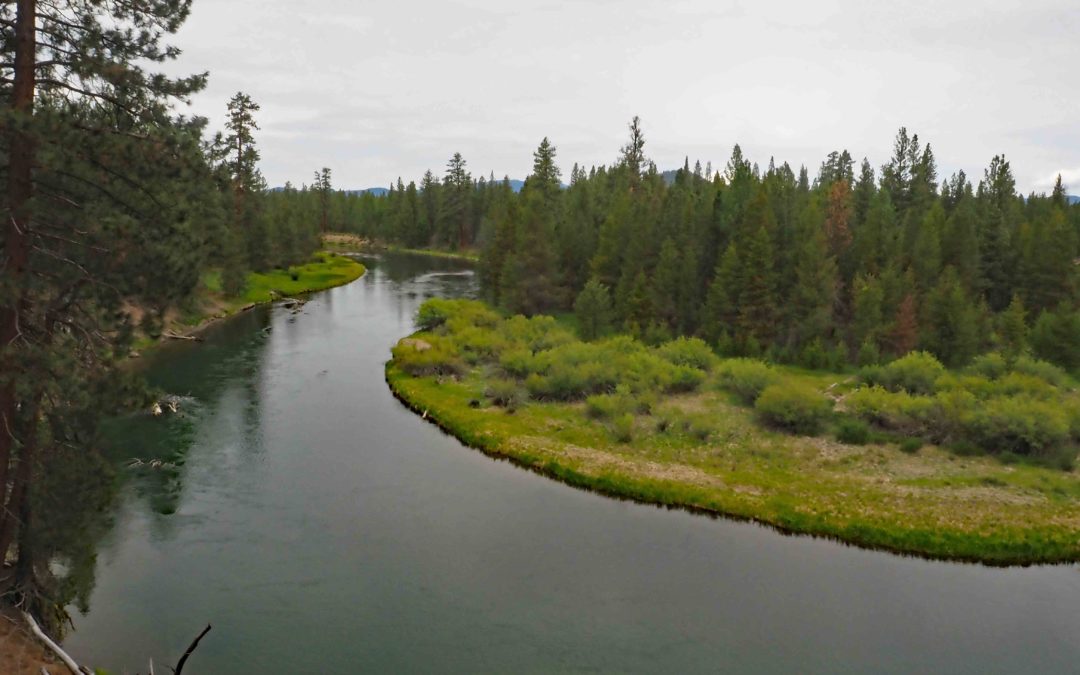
point(704, 451)
point(469, 256)
point(352, 243)
point(326, 270)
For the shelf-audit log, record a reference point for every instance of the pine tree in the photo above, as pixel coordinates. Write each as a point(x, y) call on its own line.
point(904, 331)
point(1014, 330)
point(324, 189)
point(757, 300)
point(593, 310)
point(720, 312)
point(926, 260)
point(666, 285)
point(815, 292)
point(867, 319)
point(951, 331)
point(107, 197)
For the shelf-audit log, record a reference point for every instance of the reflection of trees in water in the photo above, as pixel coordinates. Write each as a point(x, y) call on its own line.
point(73, 505)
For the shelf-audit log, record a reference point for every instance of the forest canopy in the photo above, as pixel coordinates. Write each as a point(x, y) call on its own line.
point(851, 265)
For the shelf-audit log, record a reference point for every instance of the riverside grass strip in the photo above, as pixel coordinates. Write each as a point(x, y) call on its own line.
point(933, 504)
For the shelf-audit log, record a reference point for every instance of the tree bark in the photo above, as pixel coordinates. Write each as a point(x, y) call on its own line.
point(16, 254)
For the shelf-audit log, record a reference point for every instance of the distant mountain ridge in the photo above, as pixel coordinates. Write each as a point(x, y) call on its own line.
point(1072, 199)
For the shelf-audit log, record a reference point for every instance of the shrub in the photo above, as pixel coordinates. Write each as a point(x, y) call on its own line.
point(899, 411)
point(869, 354)
point(1028, 385)
point(991, 366)
point(915, 373)
point(506, 394)
point(1019, 424)
point(814, 356)
point(605, 406)
point(685, 379)
point(538, 333)
point(1072, 411)
point(622, 427)
point(746, 378)
point(853, 432)
point(479, 344)
point(699, 427)
point(434, 313)
point(692, 352)
point(1043, 370)
point(793, 407)
point(911, 445)
point(431, 356)
point(520, 362)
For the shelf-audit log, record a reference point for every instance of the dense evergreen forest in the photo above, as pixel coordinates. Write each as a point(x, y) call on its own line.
point(854, 265)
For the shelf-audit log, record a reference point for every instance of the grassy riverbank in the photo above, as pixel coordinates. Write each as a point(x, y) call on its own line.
point(690, 440)
point(326, 270)
point(343, 242)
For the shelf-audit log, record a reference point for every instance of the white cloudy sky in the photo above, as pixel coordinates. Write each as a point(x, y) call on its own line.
point(378, 89)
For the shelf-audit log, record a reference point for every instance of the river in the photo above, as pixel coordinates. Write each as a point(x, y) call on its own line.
point(321, 527)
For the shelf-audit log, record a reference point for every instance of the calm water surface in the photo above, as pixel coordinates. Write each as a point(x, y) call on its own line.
point(322, 528)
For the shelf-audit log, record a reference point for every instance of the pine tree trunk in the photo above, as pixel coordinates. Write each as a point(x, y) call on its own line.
point(16, 254)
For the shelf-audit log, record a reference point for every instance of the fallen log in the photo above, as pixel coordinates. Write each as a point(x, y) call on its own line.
point(177, 336)
point(53, 647)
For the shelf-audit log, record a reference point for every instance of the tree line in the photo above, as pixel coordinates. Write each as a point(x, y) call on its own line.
point(852, 265)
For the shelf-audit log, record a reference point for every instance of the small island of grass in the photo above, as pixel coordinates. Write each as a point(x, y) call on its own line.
point(908, 457)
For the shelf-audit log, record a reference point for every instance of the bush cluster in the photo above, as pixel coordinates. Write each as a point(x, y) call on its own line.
point(797, 408)
point(746, 378)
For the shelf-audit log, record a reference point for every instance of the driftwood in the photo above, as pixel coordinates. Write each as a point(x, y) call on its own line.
point(53, 647)
point(191, 648)
point(177, 336)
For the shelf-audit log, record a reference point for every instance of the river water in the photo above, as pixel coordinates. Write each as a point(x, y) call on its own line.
point(320, 527)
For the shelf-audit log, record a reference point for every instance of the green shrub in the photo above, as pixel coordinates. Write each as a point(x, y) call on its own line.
point(605, 406)
point(1019, 424)
point(915, 373)
point(869, 354)
point(436, 312)
point(685, 379)
point(478, 345)
point(506, 394)
point(911, 445)
point(1072, 411)
point(897, 411)
point(1043, 370)
point(991, 366)
point(699, 427)
point(538, 333)
point(1028, 385)
point(622, 428)
point(520, 363)
point(853, 431)
point(692, 352)
point(746, 378)
point(793, 407)
point(430, 356)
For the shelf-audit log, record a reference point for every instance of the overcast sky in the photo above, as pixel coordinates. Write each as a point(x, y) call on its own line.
point(378, 89)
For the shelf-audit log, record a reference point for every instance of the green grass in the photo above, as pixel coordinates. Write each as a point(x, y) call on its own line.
point(326, 270)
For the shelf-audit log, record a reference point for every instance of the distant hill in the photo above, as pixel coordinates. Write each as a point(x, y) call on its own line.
point(1072, 199)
